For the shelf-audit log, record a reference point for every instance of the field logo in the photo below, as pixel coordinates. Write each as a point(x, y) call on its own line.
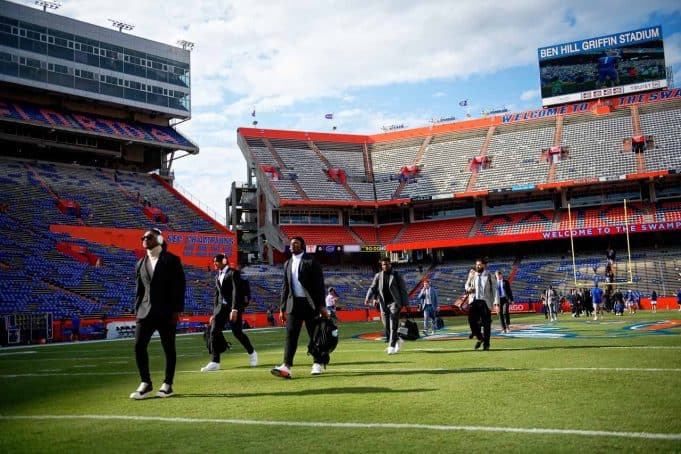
point(538, 331)
point(546, 331)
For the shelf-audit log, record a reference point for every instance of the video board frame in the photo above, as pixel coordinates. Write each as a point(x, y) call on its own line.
point(610, 65)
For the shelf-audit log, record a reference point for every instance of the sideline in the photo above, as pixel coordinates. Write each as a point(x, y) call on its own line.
point(355, 425)
point(121, 339)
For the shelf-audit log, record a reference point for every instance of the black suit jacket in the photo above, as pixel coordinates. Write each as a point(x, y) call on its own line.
point(229, 291)
point(163, 293)
point(311, 278)
point(507, 290)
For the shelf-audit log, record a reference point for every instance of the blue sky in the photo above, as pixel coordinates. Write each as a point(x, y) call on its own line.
point(371, 63)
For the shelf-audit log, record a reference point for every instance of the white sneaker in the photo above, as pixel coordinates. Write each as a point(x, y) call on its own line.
point(399, 344)
point(316, 369)
point(282, 371)
point(253, 359)
point(211, 366)
point(392, 350)
point(165, 391)
point(143, 391)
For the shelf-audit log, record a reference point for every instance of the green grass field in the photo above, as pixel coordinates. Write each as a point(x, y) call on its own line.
point(570, 386)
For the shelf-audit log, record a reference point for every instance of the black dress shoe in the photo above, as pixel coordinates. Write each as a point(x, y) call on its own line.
point(471, 336)
point(478, 344)
point(486, 347)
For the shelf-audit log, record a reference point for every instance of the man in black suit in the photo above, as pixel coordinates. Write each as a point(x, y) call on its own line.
point(159, 299)
point(389, 289)
point(229, 302)
point(505, 301)
point(302, 298)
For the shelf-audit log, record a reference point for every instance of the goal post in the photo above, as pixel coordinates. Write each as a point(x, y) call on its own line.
point(629, 271)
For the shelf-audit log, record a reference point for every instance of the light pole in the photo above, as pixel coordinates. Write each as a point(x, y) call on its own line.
point(121, 25)
point(186, 45)
point(52, 4)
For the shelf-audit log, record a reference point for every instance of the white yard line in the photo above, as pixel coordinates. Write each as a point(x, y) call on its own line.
point(357, 425)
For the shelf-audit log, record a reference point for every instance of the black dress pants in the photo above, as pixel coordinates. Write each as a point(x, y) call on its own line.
point(504, 312)
point(144, 328)
point(218, 324)
point(302, 313)
point(480, 321)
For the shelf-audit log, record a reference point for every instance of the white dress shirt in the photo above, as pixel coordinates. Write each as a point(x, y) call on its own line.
point(152, 259)
point(298, 290)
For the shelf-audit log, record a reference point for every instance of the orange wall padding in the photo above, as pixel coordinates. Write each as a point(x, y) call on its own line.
point(193, 248)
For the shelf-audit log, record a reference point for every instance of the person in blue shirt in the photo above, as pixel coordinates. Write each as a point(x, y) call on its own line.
point(597, 297)
point(607, 68)
point(428, 303)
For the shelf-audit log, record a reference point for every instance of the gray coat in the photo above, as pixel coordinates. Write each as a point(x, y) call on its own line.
point(490, 289)
point(398, 289)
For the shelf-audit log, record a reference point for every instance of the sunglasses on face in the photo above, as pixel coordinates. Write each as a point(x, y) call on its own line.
point(148, 237)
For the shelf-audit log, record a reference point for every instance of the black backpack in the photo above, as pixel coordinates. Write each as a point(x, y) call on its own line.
point(324, 340)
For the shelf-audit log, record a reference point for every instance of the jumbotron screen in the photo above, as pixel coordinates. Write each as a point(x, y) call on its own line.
point(610, 65)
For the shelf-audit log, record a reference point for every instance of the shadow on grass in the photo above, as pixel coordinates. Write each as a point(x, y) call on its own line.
point(359, 363)
point(307, 392)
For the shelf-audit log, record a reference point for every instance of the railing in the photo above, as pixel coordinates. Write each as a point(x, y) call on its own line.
point(196, 201)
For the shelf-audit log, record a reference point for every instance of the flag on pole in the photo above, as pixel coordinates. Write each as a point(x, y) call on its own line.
point(329, 116)
point(463, 103)
point(253, 113)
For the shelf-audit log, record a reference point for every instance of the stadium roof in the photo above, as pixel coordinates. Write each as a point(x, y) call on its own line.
point(506, 118)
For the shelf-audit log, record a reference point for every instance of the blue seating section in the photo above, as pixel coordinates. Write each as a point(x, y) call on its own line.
point(35, 277)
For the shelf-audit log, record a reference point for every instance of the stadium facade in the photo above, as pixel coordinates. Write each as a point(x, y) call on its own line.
point(87, 143)
point(97, 95)
point(530, 177)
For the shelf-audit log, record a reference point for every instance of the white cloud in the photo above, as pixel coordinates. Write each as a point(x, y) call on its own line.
point(672, 49)
point(529, 94)
point(284, 56)
point(209, 178)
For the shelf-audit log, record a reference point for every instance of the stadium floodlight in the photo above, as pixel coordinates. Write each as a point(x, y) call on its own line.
point(121, 25)
point(186, 45)
point(52, 4)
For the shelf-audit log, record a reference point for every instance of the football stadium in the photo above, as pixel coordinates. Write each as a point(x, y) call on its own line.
point(581, 193)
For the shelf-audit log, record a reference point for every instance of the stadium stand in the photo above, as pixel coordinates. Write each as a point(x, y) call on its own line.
point(445, 164)
point(595, 146)
point(57, 282)
point(387, 164)
point(664, 125)
point(517, 147)
point(510, 224)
